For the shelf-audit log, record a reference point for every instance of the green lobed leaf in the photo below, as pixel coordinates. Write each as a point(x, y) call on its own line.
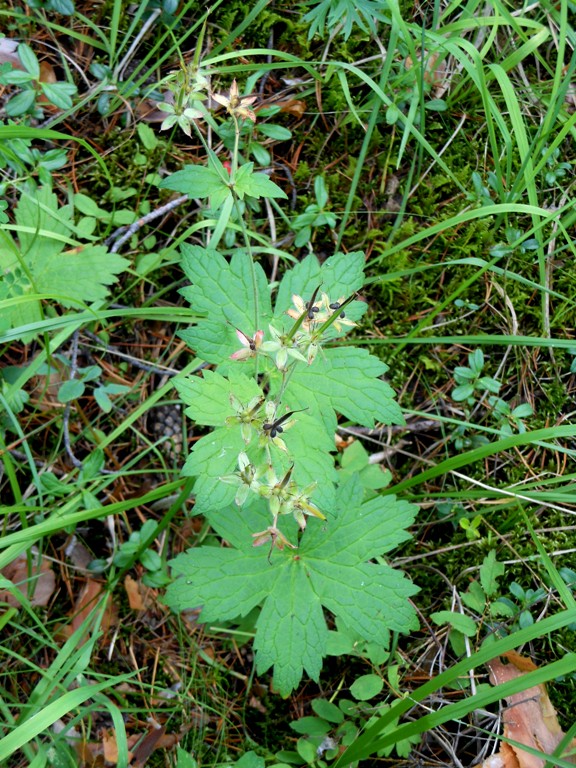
point(213, 456)
point(475, 597)
point(490, 572)
point(208, 396)
point(459, 621)
point(245, 577)
point(79, 274)
point(197, 181)
point(309, 449)
point(327, 570)
point(371, 598)
point(334, 382)
point(256, 184)
point(291, 631)
point(339, 276)
point(224, 292)
point(376, 527)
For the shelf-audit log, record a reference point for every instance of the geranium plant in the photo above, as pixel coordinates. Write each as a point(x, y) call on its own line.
point(295, 541)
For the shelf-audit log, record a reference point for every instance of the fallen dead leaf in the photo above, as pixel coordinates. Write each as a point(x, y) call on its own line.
point(40, 578)
point(77, 553)
point(529, 718)
point(435, 70)
point(140, 597)
point(294, 107)
point(87, 599)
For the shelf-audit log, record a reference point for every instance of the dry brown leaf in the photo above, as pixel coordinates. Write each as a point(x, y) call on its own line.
point(434, 72)
point(110, 745)
point(149, 743)
point(84, 605)
point(294, 107)
point(42, 587)
point(256, 703)
point(529, 717)
point(77, 553)
point(140, 597)
point(133, 591)
point(47, 73)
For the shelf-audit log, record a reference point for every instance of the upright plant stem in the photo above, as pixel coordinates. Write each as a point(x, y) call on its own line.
point(244, 232)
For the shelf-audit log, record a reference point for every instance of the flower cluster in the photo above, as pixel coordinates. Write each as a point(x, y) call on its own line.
point(284, 497)
point(301, 342)
point(186, 87)
point(319, 312)
point(247, 416)
point(250, 345)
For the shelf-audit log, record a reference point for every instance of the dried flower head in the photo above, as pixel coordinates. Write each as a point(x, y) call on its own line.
point(236, 106)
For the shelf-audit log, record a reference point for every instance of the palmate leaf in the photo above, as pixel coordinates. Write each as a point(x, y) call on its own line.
point(208, 396)
point(255, 184)
point(44, 262)
point(197, 181)
point(224, 292)
point(339, 276)
point(328, 569)
point(213, 456)
point(345, 379)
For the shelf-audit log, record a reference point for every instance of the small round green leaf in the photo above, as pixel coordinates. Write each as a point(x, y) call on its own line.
point(70, 390)
point(462, 393)
point(366, 687)
point(306, 750)
point(102, 399)
point(151, 560)
point(311, 726)
point(327, 710)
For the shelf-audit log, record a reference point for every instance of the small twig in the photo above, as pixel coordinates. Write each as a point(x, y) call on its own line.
point(119, 71)
point(122, 234)
point(136, 362)
point(288, 172)
point(421, 425)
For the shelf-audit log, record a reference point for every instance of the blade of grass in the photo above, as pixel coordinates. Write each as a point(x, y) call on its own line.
point(469, 457)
